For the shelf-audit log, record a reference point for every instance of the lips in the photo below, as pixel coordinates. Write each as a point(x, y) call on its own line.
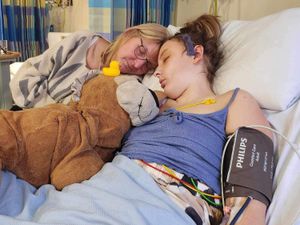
point(162, 83)
point(125, 68)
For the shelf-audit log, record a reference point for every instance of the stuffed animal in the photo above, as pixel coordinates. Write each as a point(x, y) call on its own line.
point(64, 144)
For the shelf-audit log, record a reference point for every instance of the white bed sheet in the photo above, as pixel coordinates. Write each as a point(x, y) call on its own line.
point(130, 197)
point(285, 206)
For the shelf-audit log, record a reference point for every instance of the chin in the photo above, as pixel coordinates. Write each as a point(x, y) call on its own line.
point(171, 95)
point(168, 94)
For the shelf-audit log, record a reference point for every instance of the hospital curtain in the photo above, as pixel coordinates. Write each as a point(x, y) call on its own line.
point(107, 17)
point(1, 23)
point(25, 26)
point(111, 17)
point(155, 11)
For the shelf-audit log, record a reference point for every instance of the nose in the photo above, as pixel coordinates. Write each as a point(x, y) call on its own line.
point(157, 73)
point(139, 63)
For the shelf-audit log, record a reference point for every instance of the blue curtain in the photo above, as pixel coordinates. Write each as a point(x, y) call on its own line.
point(25, 26)
point(1, 23)
point(107, 17)
point(155, 11)
point(111, 17)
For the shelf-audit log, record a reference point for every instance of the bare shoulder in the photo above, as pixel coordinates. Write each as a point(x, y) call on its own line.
point(245, 111)
point(244, 101)
point(241, 94)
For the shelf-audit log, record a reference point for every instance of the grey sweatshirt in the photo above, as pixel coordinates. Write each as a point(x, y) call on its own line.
point(55, 76)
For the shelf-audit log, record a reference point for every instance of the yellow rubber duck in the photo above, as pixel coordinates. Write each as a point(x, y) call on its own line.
point(113, 70)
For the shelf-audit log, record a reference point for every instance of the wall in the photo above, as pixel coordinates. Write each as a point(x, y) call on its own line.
point(70, 19)
point(231, 9)
point(76, 17)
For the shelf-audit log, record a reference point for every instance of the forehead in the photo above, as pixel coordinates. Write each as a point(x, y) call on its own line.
point(152, 48)
point(132, 41)
point(171, 46)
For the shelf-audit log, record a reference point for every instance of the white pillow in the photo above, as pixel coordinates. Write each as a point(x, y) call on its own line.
point(14, 67)
point(263, 57)
point(173, 29)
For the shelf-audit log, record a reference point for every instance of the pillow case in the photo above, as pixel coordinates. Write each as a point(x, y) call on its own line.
point(263, 57)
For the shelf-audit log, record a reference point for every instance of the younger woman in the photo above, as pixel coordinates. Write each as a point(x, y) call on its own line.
point(186, 140)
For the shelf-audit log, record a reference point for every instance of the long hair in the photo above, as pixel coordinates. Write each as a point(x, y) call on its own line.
point(206, 31)
point(151, 31)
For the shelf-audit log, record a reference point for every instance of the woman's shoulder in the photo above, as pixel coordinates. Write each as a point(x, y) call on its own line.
point(243, 97)
point(83, 33)
point(244, 111)
point(238, 99)
point(79, 35)
point(237, 96)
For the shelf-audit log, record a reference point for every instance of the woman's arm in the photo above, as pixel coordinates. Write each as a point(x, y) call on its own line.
point(30, 86)
point(245, 111)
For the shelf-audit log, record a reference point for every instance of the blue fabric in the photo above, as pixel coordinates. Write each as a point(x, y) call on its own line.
point(121, 193)
point(25, 27)
point(112, 17)
point(191, 144)
point(107, 17)
point(155, 11)
point(1, 23)
point(107, 3)
point(102, 4)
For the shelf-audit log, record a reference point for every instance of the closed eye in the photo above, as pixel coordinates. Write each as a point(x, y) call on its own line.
point(165, 59)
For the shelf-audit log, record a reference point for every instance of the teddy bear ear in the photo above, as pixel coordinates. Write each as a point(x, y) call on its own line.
point(124, 78)
point(138, 101)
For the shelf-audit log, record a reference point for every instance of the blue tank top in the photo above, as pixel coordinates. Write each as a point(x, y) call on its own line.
point(189, 143)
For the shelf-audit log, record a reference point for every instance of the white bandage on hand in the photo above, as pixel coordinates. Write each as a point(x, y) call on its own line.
point(136, 99)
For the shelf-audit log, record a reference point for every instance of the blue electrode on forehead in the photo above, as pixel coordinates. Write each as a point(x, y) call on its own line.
point(188, 44)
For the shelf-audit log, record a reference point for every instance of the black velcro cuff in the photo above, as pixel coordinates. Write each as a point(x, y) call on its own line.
point(155, 97)
point(248, 166)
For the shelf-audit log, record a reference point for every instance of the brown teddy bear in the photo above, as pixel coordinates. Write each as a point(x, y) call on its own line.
point(63, 144)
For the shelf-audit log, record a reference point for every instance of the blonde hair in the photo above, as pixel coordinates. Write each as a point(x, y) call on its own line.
point(151, 31)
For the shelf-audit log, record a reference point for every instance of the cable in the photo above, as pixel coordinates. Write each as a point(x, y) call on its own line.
point(201, 193)
point(181, 181)
point(222, 161)
point(294, 146)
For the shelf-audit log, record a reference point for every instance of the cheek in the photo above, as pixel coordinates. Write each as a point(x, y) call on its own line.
point(172, 93)
point(119, 55)
point(175, 87)
point(124, 53)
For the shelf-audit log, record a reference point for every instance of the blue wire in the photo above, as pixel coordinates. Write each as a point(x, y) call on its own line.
point(237, 216)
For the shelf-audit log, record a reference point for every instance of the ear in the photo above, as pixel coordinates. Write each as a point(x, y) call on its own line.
point(199, 51)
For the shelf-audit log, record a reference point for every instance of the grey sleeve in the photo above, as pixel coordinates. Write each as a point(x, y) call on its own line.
point(30, 85)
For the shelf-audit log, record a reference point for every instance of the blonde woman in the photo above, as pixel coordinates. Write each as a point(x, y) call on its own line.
point(68, 143)
point(58, 74)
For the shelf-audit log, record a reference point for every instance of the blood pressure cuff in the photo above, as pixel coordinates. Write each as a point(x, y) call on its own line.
point(248, 166)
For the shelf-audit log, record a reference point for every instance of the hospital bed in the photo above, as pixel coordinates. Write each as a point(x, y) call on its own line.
point(261, 56)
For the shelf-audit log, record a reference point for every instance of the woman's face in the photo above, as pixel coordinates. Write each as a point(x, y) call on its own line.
point(175, 68)
point(137, 56)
